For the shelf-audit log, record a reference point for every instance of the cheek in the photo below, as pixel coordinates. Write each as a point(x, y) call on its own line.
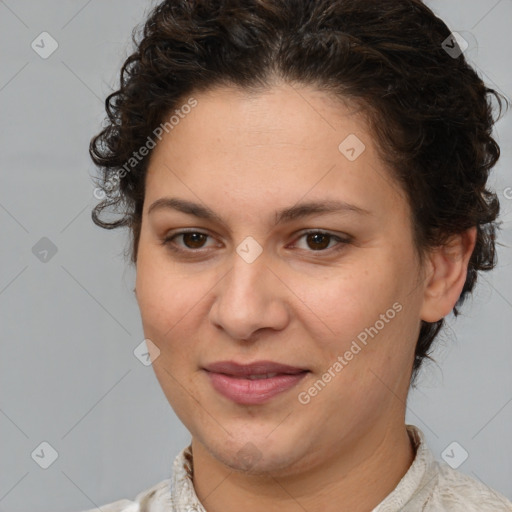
point(349, 300)
point(169, 303)
point(372, 320)
point(165, 294)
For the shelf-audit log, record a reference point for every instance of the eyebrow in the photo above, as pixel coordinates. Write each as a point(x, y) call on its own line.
point(295, 212)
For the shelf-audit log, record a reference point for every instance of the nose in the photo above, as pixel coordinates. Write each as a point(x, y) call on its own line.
point(250, 298)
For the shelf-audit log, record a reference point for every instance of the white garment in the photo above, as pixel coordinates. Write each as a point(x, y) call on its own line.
point(428, 486)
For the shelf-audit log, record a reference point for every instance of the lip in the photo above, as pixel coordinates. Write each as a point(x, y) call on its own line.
point(231, 380)
point(256, 368)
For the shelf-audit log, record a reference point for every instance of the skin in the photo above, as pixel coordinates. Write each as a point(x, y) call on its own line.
point(245, 156)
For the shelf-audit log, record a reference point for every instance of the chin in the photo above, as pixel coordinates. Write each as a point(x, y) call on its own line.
point(258, 454)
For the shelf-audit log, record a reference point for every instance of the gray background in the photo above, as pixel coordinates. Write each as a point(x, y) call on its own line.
point(69, 326)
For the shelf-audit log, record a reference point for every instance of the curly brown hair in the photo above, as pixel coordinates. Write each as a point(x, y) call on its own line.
point(430, 112)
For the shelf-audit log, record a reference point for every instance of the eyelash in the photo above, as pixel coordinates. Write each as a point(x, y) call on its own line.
point(168, 241)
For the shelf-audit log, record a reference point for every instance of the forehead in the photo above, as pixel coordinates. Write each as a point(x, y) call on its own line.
point(282, 114)
point(285, 142)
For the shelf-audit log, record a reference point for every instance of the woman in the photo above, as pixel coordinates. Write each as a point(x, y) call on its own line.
point(305, 185)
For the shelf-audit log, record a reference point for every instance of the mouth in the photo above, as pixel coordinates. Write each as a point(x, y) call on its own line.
point(253, 383)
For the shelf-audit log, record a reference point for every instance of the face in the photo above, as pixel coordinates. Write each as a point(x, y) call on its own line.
point(336, 294)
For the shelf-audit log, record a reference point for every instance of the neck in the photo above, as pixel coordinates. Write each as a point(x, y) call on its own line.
point(354, 479)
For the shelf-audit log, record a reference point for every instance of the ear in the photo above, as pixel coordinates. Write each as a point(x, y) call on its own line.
point(447, 271)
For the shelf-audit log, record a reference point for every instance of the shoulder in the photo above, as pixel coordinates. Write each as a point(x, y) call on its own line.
point(153, 499)
point(456, 491)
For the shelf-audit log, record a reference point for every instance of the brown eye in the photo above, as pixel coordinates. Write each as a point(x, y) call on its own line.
point(193, 240)
point(319, 241)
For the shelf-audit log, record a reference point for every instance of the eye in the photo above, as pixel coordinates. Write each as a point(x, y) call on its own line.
point(193, 240)
point(317, 241)
point(320, 240)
